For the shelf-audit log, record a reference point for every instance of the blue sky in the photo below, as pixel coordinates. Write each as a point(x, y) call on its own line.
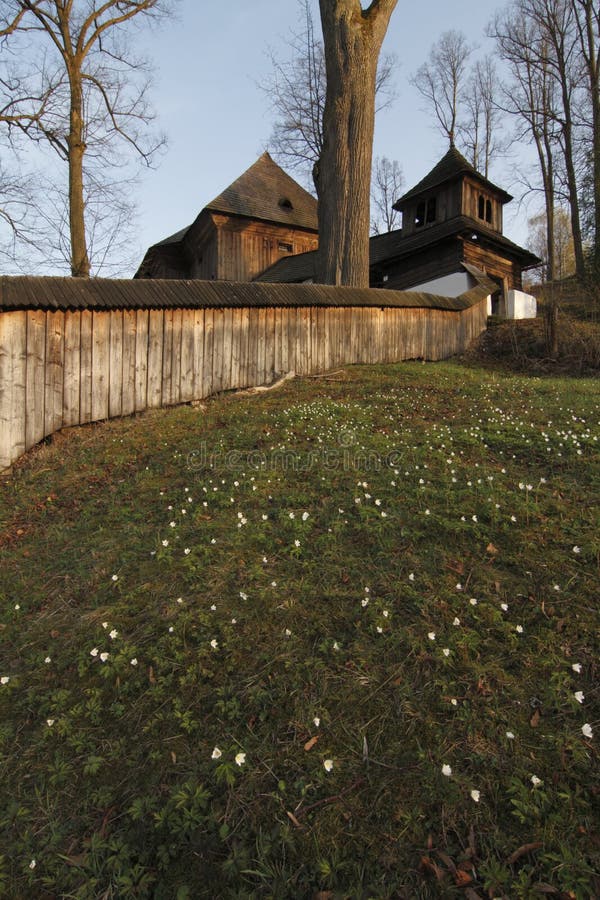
point(209, 64)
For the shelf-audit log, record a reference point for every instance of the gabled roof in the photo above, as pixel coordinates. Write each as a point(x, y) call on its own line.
point(450, 167)
point(265, 191)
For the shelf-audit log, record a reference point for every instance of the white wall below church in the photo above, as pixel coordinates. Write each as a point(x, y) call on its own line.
point(520, 305)
point(446, 286)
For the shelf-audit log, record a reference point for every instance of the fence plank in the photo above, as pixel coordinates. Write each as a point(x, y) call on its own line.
point(85, 363)
point(198, 353)
point(100, 365)
point(142, 319)
point(54, 372)
point(176, 357)
point(156, 326)
point(36, 379)
point(13, 378)
point(72, 368)
point(186, 382)
point(218, 334)
point(167, 357)
point(207, 363)
point(129, 361)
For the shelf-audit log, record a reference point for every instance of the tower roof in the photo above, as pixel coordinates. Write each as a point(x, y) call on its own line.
point(450, 167)
point(265, 191)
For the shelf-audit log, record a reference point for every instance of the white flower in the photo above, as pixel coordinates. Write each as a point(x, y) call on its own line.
point(446, 651)
point(317, 721)
point(49, 722)
point(171, 629)
point(411, 577)
point(328, 765)
point(243, 595)
point(576, 667)
point(305, 516)
point(179, 600)
point(104, 656)
point(94, 652)
point(579, 696)
point(576, 549)
point(17, 606)
point(510, 736)
point(459, 586)
point(187, 551)
point(292, 515)
point(240, 759)
point(473, 601)
point(454, 701)
point(115, 577)
point(48, 660)
point(32, 864)
point(519, 629)
point(475, 795)
point(336, 646)
point(385, 613)
point(105, 625)
point(379, 629)
point(431, 635)
point(213, 607)
point(535, 780)
point(427, 513)
point(213, 540)
point(216, 754)
point(587, 730)
point(112, 634)
point(474, 518)
point(214, 644)
point(296, 543)
point(364, 602)
point(165, 543)
point(172, 524)
point(134, 662)
point(287, 632)
point(504, 607)
point(446, 770)
point(456, 621)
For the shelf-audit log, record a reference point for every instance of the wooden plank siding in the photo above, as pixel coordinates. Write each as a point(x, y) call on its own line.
point(61, 368)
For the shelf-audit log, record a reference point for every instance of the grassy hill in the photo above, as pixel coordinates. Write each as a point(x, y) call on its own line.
point(340, 640)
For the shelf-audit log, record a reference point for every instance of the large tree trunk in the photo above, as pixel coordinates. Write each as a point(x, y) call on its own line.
point(80, 263)
point(352, 39)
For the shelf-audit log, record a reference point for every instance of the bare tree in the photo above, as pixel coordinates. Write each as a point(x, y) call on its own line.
point(296, 91)
point(352, 39)
point(543, 35)
point(478, 128)
point(529, 97)
point(386, 186)
point(442, 80)
point(97, 102)
point(587, 20)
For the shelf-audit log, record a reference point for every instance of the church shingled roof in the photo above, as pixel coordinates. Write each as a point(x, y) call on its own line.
point(452, 165)
point(265, 191)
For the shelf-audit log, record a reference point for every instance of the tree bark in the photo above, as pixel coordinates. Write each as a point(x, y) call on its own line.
point(80, 263)
point(352, 39)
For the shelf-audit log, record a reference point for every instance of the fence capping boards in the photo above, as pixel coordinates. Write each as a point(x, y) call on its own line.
point(75, 294)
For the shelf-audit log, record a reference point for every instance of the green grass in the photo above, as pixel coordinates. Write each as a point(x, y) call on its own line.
point(379, 575)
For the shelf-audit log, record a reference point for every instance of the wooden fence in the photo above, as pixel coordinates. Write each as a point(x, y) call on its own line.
point(66, 367)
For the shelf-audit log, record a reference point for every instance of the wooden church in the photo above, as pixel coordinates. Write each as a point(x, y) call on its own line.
point(264, 227)
point(260, 218)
